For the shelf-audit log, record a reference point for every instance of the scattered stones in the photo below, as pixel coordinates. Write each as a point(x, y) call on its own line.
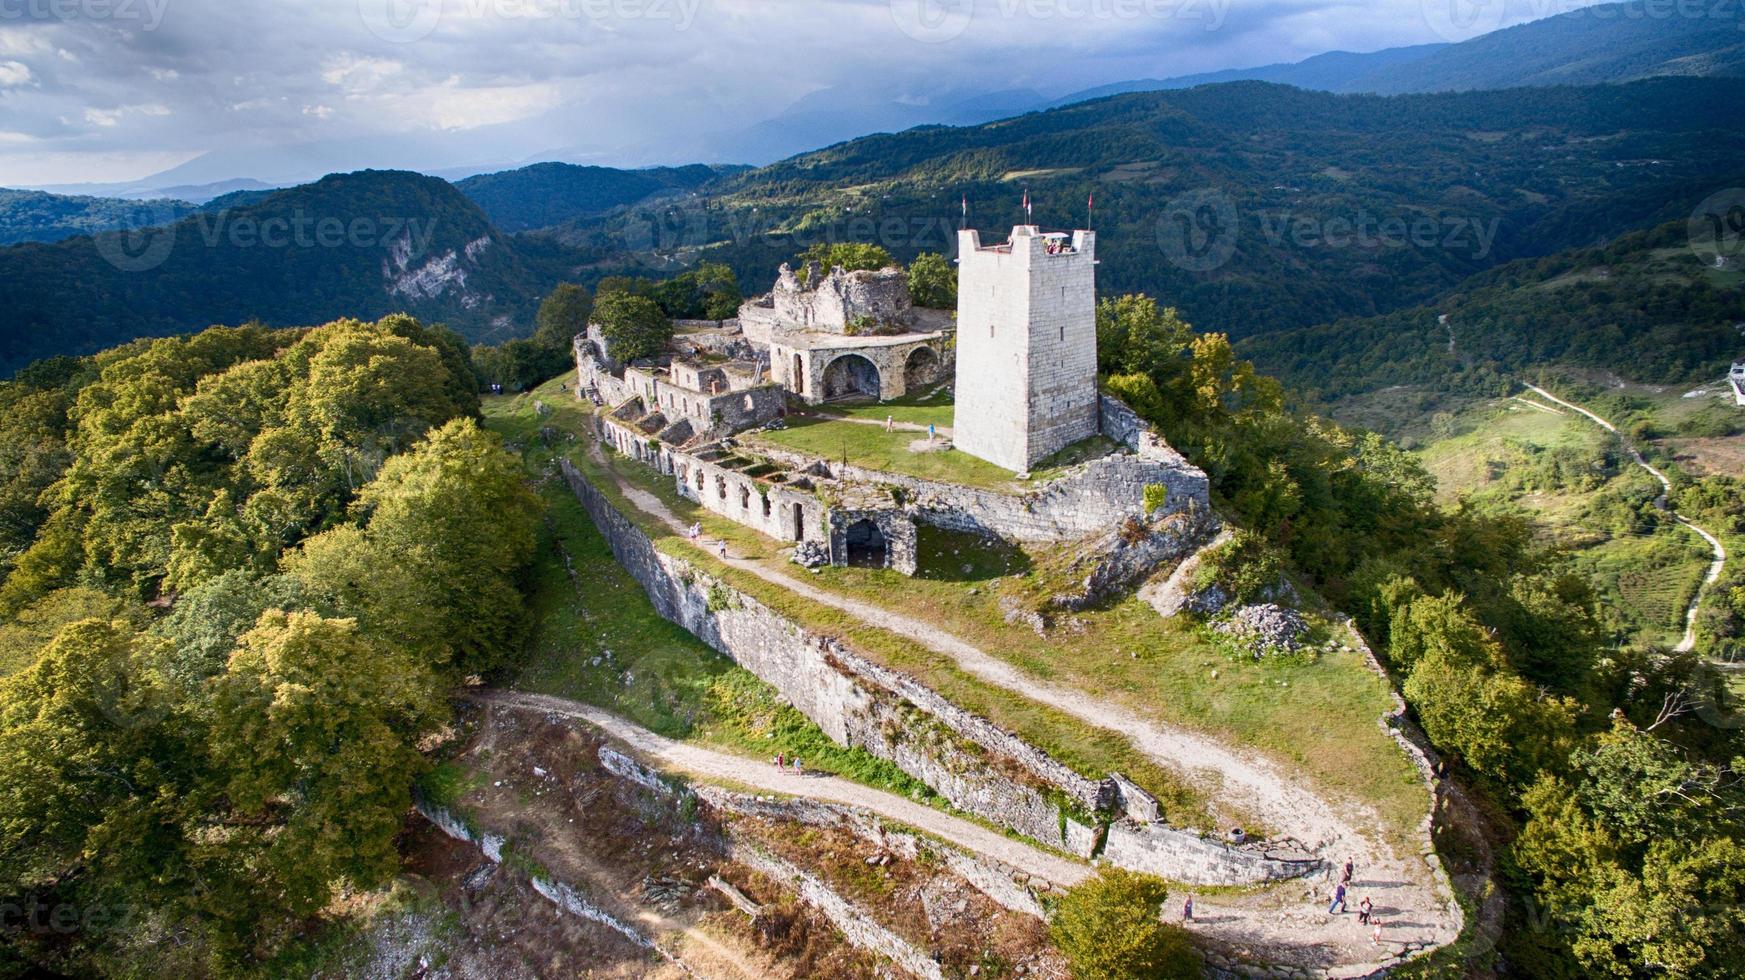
point(1265, 630)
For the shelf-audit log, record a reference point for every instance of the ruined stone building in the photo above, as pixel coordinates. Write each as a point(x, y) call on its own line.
point(1026, 388)
point(846, 334)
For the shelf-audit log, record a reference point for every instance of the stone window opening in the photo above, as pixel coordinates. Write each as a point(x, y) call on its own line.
point(766, 505)
point(799, 522)
point(699, 481)
point(744, 498)
point(721, 486)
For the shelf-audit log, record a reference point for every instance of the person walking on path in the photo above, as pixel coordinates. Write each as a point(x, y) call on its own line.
point(890, 423)
point(723, 549)
point(1338, 905)
point(781, 760)
point(797, 770)
point(1375, 934)
point(930, 436)
point(1349, 867)
point(1188, 910)
point(1363, 910)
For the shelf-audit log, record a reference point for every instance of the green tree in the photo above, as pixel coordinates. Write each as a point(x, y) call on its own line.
point(562, 315)
point(933, 281)
point(449, 531)
point(1111, 928)
point(634, 326)
point(315, 727)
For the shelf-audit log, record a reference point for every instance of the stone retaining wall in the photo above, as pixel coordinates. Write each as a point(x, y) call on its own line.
point(976, 765)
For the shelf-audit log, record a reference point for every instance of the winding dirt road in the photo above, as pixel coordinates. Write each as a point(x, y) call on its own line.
point(1716, 567)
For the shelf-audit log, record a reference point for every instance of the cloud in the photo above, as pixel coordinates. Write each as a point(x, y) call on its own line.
point(499, 81)
point(14, 73)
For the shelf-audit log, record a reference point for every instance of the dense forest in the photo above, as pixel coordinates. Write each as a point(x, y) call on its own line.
point(548, 194)
point(263, 559)
point(1646, 307)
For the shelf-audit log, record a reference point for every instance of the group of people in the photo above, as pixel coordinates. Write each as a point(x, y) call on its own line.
point(782, 762)
point(1365, 909)
point(695, 533)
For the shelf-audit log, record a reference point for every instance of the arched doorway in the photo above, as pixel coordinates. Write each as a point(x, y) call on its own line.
point(799, 523)
point(922, 369)
point(851, 376)
point(866, 545)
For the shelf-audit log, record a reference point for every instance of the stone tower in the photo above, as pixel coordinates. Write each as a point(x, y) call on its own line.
point(1026, 345)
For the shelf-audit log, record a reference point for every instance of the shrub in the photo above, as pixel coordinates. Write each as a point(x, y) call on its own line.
point(1111, 928)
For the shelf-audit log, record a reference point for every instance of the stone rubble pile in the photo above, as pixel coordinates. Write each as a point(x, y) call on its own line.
point(1266, 629)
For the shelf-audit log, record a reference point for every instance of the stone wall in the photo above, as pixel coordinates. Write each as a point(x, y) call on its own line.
point(832, 301)
point(1085, 500)
point(977, 766)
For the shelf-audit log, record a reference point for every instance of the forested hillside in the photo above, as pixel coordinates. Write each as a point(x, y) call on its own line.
point(547, 194)
point(34, 216)
point(1646, 308)
point(263, 559)
point(1251, 207)
point(369, 243)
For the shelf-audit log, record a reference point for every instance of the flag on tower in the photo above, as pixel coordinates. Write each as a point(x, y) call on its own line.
point(965, 211)
point(1026, 205)
point(1090, 204)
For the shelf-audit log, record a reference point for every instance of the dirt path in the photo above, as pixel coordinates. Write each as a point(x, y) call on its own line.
point(1716, 548)
point(739, 771)
point(1415, 907)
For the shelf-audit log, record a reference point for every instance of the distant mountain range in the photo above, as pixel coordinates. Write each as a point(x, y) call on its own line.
point(361, 245)
point(1606, 43)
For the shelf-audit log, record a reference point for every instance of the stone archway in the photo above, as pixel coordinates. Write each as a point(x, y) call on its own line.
point(866, 545)
point(851, 375)
point(921, 370)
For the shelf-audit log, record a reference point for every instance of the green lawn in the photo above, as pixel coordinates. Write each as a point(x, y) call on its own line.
point(933, 406)
point(870, 446)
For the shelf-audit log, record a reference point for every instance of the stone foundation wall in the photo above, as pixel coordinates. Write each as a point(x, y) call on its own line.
point(1084, 501)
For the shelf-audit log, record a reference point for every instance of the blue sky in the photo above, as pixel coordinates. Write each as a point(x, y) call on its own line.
point(112, 90)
